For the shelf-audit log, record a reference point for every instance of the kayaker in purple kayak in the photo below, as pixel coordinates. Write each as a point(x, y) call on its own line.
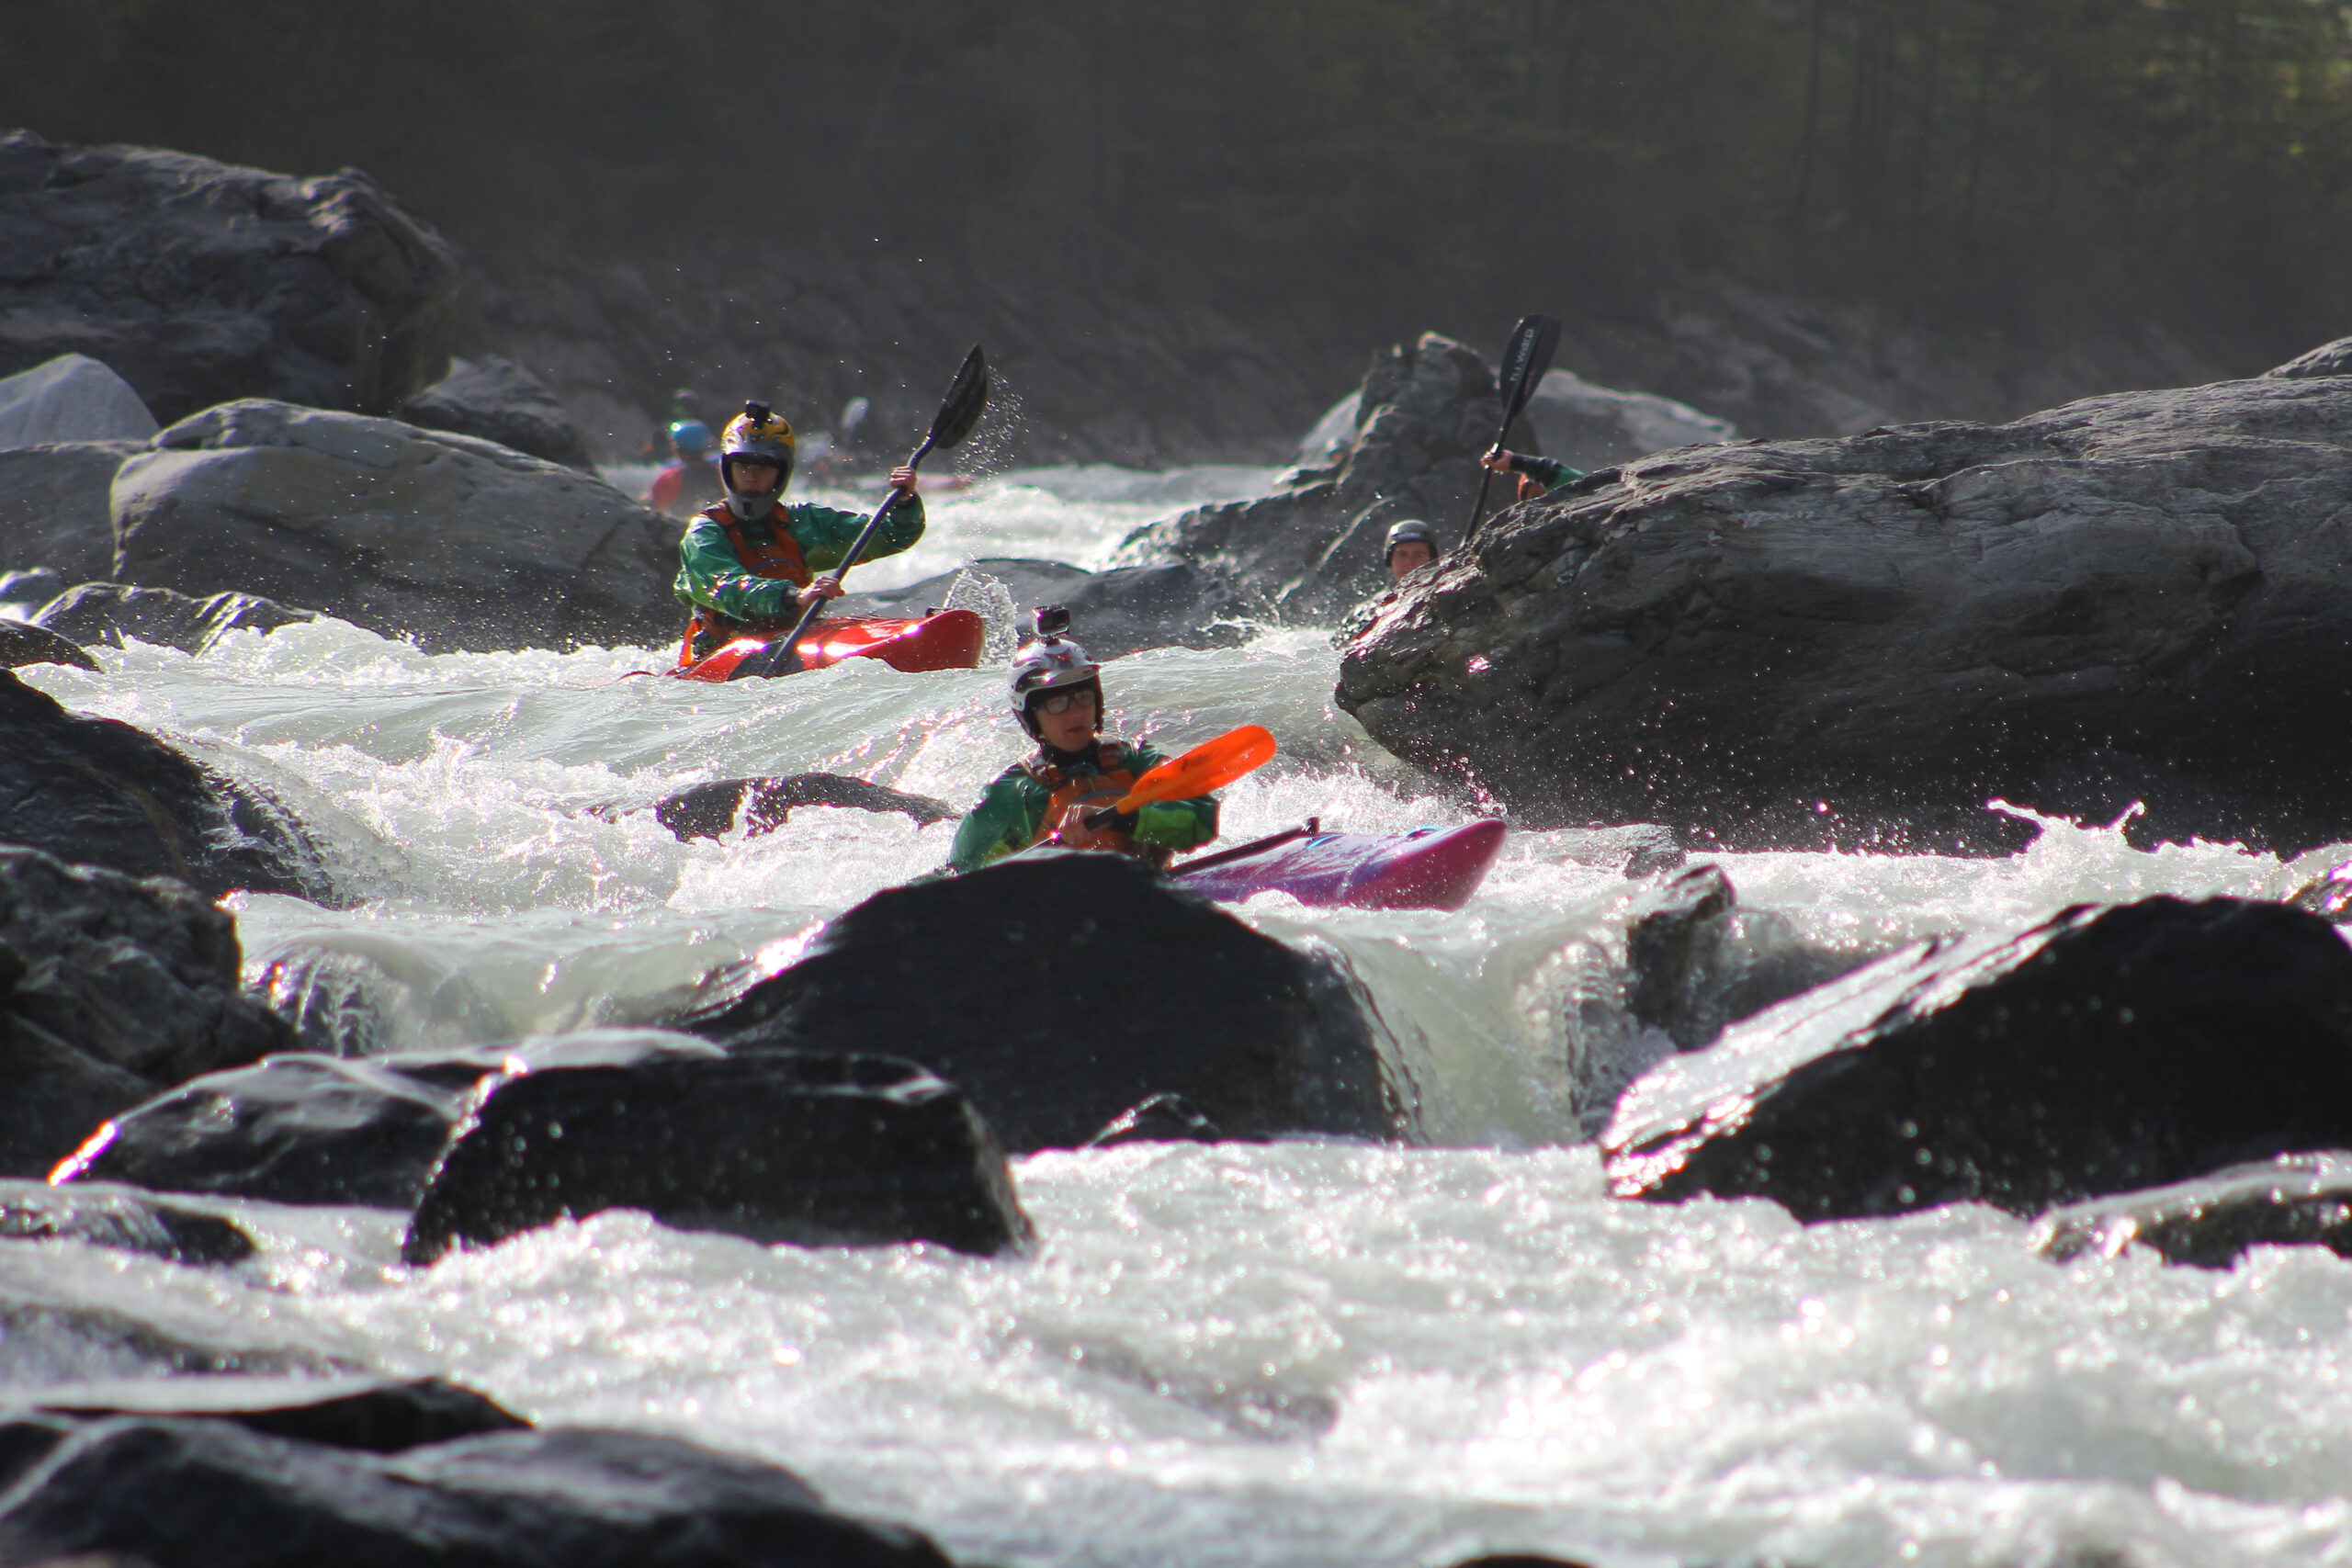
point(1059, 796)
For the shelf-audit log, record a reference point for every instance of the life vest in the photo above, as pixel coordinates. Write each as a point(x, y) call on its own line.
point(1072, 797)
point(774, 554)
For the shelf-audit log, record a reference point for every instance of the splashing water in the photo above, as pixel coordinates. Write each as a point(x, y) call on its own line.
point(1304, 1353)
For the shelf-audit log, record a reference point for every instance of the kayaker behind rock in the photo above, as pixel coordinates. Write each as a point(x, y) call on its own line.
point(1537, 476)
point(1412, 545)
point(1062, 794)
point(748, 565)
point(690, 481)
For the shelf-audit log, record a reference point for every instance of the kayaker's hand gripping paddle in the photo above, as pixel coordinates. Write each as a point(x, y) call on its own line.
point(966, 399)
point(1212, 764)
point(1528, 355)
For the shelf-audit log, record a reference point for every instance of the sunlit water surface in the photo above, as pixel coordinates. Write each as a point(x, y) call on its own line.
point(1307, 1353)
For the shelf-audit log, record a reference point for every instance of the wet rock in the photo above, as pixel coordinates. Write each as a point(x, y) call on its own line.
point(1633, 851)
point(111, 987)
point(2294, 1201)
point(56, 506)
point(99, 792)
point(2329, 895)
point(22, 643)
point(1697, 960)
point(27, 589)
point(712, 810)
point(1590, 427)
point(116, 612)
point(213, 1492)
point(198, 282)
point(2327, 359)
point(453, 541)
point(125, 1222)
point(300, 1128)
point(1314, 546)
point(1163, 1118)
point(2140, 597)
point(42, 1345)
point(497, 400)
point(371, 999)
point(71, 398)
point(1154, 990)
point(2106, 1050)
point(778, 1147)
point(362, 1414)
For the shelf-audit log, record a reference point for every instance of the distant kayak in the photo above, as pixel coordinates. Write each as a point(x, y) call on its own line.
point(1429, 868)
point(945, 640)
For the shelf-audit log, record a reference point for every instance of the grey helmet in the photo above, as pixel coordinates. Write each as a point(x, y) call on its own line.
point(1051, 663)
point(1411, 531)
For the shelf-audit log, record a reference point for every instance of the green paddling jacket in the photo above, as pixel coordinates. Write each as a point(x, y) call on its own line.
point(781, 553)
point(1013, 808)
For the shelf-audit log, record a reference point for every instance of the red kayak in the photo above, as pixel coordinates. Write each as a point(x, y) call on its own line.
point(1429, 868)
point(945, 640)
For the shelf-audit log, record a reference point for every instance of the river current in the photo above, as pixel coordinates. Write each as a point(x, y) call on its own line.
point(1307, 1353)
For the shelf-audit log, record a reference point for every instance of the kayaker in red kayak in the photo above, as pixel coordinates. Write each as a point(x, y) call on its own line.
point(1061, 796)
point(690, 481)
point(747, 565)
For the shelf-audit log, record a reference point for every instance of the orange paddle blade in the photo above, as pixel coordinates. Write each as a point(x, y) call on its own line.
point(1212, 764)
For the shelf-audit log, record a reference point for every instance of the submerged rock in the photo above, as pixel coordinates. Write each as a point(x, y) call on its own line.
point(301, 1128)
point(2106, 1050)
point(1115, 613)
point(363, 1414)
point(1697, 960)
point(1059, 990)
point(110, 988)
point(22, 643)
point(1861, 641)
point(712, 810)
point(99, 792)
point(497, 400)
point(454, 541)
point(125, 1222)
point(198, 282)
point(56, 506)
point(2293, 1201)
point(778, 1147)
point(117, 612)
point(214, 1492)
point(1314, 546)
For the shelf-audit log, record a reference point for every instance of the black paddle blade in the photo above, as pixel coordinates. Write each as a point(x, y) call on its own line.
point(965, 400)
point(1532, 343)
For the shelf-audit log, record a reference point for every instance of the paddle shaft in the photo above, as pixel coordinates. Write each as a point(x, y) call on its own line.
point(815, 607)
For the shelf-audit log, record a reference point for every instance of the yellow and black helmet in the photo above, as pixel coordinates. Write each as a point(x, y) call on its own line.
point(758, 434)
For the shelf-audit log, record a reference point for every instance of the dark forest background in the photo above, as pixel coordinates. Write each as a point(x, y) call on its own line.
point(1347, 170)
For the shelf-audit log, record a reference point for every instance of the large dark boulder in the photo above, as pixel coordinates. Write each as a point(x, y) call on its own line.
point(2327, 359)
point(2293, 1201)
point(497, 400)
point(2140, 597)
point(212, 1494)
point(302, 1128)
point(111, 987)
point(198, 282)
point(99, 792)
point(454, 541)
point(2106, 1050)
point(1310, 549)
point(56, 507)
point(1059, 990)
point(116, 613)
point(779, 1147)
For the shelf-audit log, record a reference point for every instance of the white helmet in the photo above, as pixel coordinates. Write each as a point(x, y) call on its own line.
point(1052, 663)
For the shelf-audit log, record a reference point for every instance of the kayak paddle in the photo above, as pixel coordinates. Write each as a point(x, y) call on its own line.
point(1528, 355)
point(1305, 829)
point(1212, 764)
point(957, 414)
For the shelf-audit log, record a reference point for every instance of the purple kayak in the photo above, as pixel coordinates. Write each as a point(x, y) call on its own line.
point(1429, 868)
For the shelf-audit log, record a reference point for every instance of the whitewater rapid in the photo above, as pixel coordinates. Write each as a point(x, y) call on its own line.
point(1306, 1353)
